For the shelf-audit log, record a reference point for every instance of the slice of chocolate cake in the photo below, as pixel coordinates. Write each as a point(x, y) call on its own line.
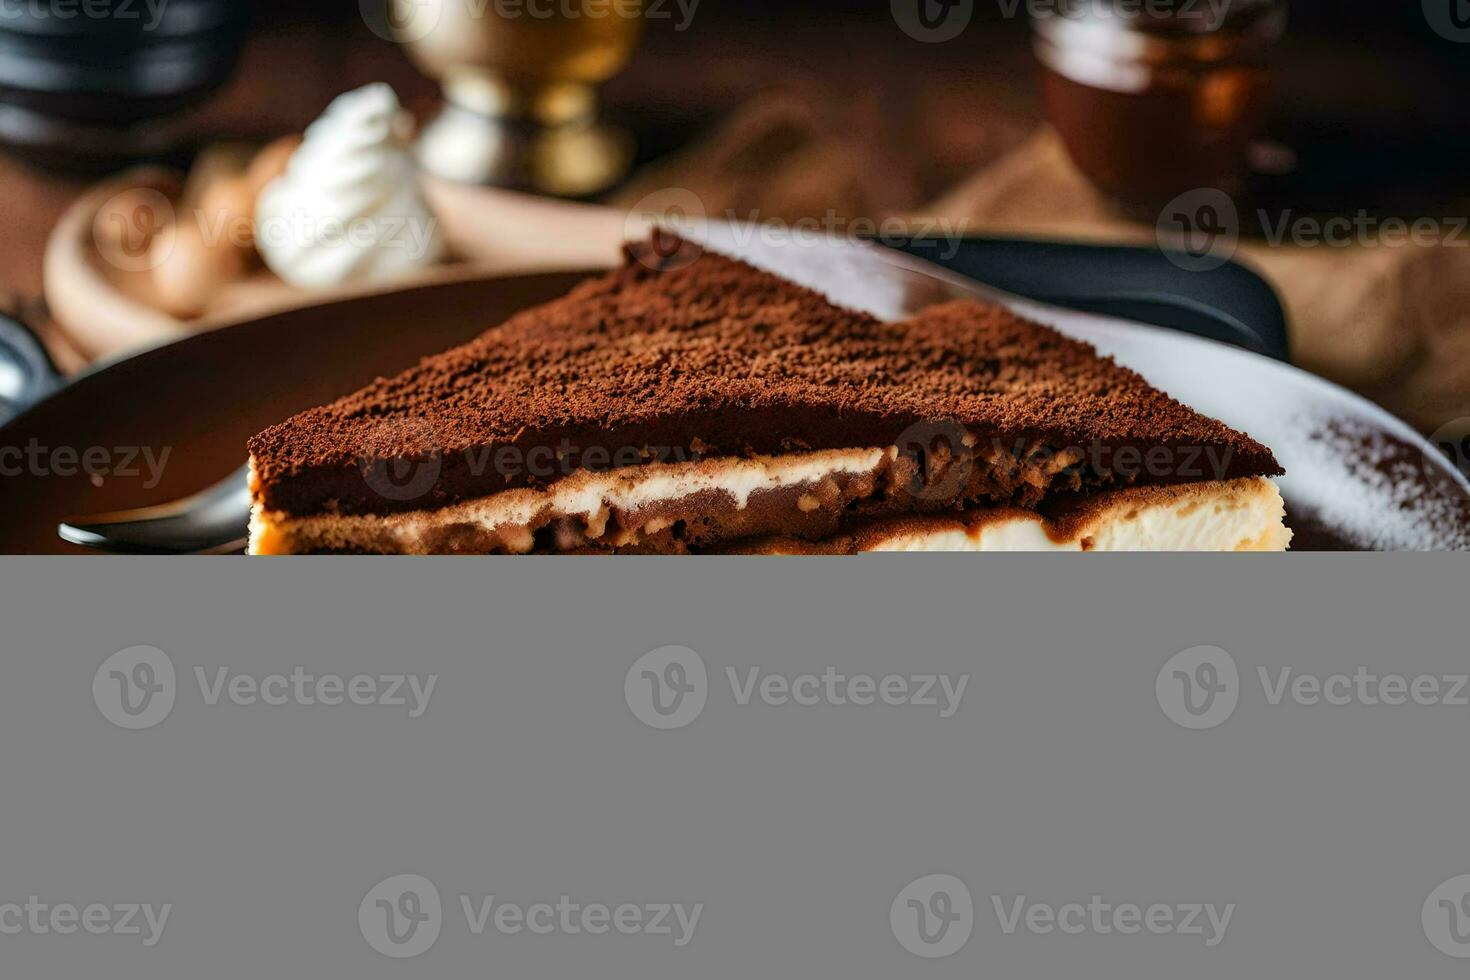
point(687, 401)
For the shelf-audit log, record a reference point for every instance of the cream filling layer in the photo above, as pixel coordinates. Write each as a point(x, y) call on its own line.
point(513, 516)
point(1238, 515)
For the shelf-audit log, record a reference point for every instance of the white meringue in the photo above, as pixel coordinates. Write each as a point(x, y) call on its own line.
point(349, 208)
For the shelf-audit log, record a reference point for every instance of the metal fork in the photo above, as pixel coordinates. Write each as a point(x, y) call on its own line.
point(212, 522)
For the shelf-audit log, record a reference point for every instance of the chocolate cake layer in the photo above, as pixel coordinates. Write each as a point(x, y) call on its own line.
point(659, 507)
point(668, 507)
point(681, 358)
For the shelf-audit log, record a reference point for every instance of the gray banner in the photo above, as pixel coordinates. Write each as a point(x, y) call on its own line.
point(898, 766)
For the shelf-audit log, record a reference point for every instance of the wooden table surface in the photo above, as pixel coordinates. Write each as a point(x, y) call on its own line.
point(930, 113)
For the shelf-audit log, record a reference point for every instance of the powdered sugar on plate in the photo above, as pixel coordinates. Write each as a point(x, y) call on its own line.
point(1389, 495)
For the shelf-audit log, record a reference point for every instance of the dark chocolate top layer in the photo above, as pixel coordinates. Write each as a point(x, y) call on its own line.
point(680, 354)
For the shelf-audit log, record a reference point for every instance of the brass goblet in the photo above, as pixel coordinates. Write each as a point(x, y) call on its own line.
point(520, 80)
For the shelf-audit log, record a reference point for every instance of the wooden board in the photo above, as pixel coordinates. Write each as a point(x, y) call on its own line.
point(106, 304)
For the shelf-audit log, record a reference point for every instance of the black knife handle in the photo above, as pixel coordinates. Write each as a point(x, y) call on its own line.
point(1229, 303)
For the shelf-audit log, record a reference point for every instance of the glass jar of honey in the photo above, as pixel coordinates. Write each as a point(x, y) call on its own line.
point(1154, 98)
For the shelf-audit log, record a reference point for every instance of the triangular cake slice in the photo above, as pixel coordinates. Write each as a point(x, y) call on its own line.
point(688, 401)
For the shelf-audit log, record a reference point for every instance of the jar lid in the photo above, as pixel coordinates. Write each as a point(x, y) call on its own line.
point(1167, 18)
point(1086, 39)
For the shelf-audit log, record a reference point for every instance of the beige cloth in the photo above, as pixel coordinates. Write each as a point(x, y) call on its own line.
point(1392, 321)
point(783, 157)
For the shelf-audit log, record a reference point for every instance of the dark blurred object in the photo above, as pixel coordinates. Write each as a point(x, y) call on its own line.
point(1363, 111)
point(1156, 101)
point(88, 86)
point(26, 372)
